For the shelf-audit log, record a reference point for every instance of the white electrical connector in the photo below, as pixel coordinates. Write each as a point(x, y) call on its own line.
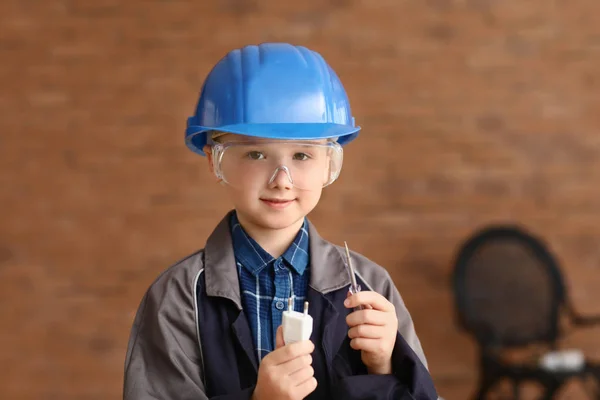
point(296, 326)
point(563, 360)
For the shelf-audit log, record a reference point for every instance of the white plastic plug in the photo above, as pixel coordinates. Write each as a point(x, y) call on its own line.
point(296, 326)
point(563, 360)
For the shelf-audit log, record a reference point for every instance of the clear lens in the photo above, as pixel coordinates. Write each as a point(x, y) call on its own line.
point(305, 165)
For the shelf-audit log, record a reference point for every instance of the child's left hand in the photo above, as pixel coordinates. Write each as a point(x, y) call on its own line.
point(373, 330)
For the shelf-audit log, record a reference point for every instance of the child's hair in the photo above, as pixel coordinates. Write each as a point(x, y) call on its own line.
point(214, 137)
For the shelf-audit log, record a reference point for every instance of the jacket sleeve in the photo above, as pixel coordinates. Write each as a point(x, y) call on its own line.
point(408, 358)
point(410, 379)
point(376, 278)
point(245, 394)
point(164, 354)
point(406, 327)
point(164, 359)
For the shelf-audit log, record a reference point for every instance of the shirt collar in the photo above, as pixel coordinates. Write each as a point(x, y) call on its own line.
point(254, 258)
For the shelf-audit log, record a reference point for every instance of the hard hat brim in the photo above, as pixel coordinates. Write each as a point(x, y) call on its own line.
point(196, 136)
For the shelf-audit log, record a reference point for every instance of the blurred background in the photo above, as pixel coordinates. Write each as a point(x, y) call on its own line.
point(473, 112)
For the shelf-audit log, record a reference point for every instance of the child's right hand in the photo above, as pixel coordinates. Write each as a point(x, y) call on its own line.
point(286, 372)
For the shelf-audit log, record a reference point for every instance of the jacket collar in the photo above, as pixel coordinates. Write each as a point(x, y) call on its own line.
point(254, 258)
point(327, 273)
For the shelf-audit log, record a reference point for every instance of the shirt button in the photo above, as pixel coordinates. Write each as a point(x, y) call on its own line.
point(279, 305)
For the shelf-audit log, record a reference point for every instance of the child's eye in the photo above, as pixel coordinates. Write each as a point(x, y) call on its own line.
point(255, 155)
point(301, 156)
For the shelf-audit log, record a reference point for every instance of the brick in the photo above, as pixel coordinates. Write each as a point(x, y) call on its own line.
point(472, 111)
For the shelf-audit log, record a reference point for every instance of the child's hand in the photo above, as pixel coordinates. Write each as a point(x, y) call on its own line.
point(286, 372)
point(373, 330)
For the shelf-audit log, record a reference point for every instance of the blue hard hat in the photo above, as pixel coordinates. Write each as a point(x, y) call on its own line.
point(275, 91)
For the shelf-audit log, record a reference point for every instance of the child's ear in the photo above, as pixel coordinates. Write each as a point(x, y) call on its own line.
point(208, 151)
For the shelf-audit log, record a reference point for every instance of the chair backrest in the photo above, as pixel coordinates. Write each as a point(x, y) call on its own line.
point(508, 288)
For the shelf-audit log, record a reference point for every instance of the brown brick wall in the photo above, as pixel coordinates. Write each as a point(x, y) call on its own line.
point(473, 111)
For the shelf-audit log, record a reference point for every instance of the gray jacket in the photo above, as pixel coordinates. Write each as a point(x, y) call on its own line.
point(166, 354)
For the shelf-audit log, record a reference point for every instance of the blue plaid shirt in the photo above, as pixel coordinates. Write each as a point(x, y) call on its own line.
point(266, 283)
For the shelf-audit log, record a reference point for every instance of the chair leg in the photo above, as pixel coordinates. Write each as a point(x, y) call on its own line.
point(485, 384)
point(481, 392)
point(594, 377)
point(550, 389)
point(592, 387)
point(516, 391)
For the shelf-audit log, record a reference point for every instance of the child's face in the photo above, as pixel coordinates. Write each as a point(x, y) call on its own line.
point(273, 184)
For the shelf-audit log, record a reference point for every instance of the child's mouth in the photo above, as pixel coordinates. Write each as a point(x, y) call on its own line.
point(277, 203)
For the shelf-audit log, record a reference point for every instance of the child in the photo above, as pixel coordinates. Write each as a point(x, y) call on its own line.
point(271, 120)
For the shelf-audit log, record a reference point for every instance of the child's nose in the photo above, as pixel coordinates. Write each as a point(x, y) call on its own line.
point(282, 177)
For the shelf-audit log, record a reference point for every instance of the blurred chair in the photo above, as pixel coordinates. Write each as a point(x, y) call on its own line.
point(510, 295)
